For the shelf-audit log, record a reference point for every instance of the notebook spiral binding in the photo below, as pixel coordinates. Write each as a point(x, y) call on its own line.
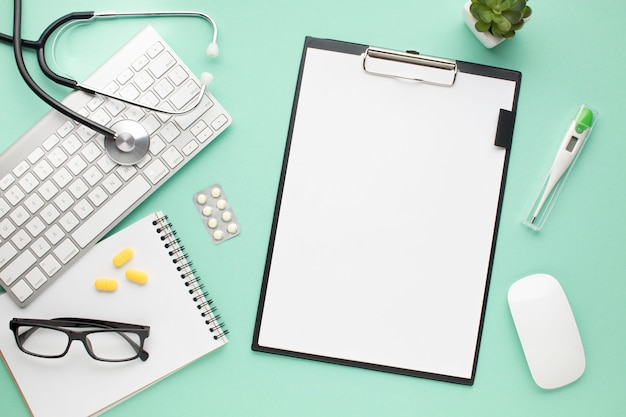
point(196, 288)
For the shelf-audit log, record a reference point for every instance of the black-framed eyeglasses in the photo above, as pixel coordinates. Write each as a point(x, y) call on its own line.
point(104, 340)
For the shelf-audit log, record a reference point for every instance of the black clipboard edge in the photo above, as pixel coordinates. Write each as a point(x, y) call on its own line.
point(363, 365)
point(504, 137)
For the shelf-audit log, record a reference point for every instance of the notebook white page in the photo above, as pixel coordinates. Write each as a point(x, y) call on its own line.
point(77, 385)
point(382, 248)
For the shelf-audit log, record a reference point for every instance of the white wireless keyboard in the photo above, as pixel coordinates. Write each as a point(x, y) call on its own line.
point(60, 192)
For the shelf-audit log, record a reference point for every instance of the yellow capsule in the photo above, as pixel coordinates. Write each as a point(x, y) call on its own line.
point(124, 256)
point(105, 284)
point(137, 276)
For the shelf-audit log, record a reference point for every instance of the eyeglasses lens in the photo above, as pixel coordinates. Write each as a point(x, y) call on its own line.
point(114, 346)
point(42, 341)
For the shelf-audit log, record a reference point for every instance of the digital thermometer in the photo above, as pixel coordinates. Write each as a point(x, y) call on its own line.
point(570, 147)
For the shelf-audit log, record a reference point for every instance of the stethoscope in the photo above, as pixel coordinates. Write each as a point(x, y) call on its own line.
point(126, 142)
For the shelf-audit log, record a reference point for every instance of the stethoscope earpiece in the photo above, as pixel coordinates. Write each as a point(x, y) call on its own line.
point(212, 51)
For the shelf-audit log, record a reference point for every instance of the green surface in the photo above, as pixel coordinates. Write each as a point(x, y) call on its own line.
point(582, 244)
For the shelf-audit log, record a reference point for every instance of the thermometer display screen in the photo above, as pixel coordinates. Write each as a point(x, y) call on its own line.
point(571, 144)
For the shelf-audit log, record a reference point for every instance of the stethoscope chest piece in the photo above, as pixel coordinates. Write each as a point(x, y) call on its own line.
point(130, 144)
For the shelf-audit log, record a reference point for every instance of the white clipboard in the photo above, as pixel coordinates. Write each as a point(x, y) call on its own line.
point(387, 211)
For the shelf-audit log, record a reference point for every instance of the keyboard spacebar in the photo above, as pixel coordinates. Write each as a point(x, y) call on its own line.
point(111, 211)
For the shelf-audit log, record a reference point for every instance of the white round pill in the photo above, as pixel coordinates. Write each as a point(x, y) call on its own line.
point(232, 228)
point(207, 211)
point(218, 235)
point(212, 223)
point(221, 204)
point(216, 192)
point(227, 216)
point(201, 199)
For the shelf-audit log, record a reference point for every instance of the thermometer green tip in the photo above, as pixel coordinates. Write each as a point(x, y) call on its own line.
point(584, 120)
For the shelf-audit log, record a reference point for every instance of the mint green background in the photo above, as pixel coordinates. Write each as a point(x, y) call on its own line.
point(569, 53)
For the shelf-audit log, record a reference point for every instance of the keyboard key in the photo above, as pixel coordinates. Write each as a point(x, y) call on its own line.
point(33, 203)
point(19, 216)
point(50, 214)
point(65, 129)
point(71, 144)
point(161, 64)
point(28, 183)
point(83, 209)
point(62, 177)
point(64, 201)
point(6, 181)
point(178, 75)
point(54, 234)
point(35, 226)
point(84, 133)
point(4, 207)
point(219, 121)
point(156, 145)
point(205, 135)
point(184, 94)
point(78, 188)
point(188, 119)
point(50, 142)
point(125, 76)
point(43, 170)
point(95, 102)
point(17, 267)
point(155, 49)
point(144, 80)
point(126, 172)
point(170, 132)
point(106, 164)
point(115, 107)
point(129, 92)
point(21, 239)
point(21, 290)
point(156, 171)
point(36, 278)
point(77, 164)
point(97, 196)
point(48, 190)
point(111, 211)
point(65, 251)
point(40, 247)
point(172, 157)
point(7, 252)
point(140, 62)
point(6, 228)
point(14, 195)
point(21, 168)
point(163, 88)
point(91, 152)
point(112, 183)
point(190, 147)
point(36, 155)
point(50, 265)
point(68, 222)
point(93, 175)
point(57, 157)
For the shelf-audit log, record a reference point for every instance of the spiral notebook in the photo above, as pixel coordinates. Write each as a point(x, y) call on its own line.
point(184, 325)
point(387, 211)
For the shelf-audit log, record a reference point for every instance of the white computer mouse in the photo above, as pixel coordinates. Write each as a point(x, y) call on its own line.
point(547, 330)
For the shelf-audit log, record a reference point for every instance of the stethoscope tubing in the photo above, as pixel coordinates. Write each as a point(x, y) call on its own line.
point(39, 47)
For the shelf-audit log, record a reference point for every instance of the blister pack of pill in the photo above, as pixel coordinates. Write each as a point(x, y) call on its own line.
point(216, 213)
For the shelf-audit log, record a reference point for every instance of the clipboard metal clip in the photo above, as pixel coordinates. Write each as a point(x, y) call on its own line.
point(410, 65)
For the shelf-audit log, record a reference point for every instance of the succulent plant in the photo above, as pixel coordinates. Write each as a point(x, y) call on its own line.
point(500, 17)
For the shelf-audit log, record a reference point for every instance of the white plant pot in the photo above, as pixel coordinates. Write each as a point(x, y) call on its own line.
point(486, 38)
